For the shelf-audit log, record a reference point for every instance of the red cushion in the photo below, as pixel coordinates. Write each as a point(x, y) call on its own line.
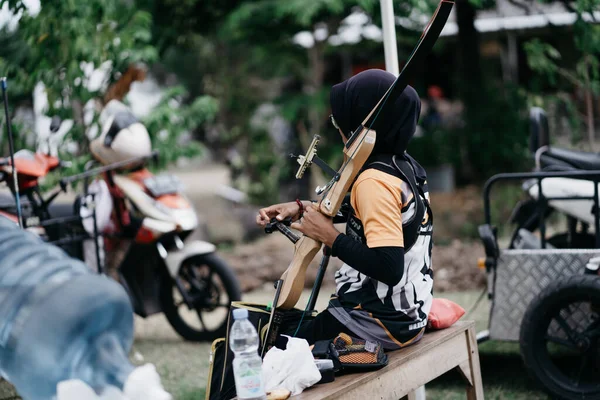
point(443, 314)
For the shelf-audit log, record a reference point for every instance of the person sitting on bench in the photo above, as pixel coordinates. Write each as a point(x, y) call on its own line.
point(384, 289)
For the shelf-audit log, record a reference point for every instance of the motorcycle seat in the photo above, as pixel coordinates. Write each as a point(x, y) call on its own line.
point(579, 159)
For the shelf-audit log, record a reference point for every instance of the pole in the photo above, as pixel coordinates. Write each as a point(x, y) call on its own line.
point(389, 37)
point(12, 152)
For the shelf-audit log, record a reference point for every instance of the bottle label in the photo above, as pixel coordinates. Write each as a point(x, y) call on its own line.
point(248, 381)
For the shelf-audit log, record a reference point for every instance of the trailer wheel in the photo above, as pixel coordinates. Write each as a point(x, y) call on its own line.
point(560, 338)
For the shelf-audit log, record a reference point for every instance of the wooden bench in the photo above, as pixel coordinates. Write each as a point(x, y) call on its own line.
point(411, 368)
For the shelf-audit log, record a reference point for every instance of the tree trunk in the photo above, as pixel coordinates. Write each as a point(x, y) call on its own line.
point(471, 80)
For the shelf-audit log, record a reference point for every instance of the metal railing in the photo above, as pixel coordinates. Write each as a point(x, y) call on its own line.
point(542, 200)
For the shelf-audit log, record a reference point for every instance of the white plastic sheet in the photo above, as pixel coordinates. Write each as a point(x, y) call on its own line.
point(293, 369)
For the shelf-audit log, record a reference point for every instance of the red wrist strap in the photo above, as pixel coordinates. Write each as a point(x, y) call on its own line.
point(301, 212)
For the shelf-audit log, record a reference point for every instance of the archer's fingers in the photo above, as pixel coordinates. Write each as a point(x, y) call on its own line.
point(297, 226)
point(283, 215)
point(263, 212)
point(260, 220)
point(311, 207)
point(263, 217)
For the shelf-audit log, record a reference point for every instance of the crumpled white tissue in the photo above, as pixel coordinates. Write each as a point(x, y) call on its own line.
point(293, 368)
point(142, 384)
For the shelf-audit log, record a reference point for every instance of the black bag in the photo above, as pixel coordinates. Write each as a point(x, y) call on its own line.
point(221, 384)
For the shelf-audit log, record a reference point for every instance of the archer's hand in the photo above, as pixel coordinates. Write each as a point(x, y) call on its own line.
point(317, 226)
point(279, 211)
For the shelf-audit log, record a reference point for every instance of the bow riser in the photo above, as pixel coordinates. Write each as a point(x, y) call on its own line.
point(306, 248)
point(354, 158)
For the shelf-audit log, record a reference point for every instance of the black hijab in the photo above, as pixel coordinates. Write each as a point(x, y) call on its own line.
point(352, 100)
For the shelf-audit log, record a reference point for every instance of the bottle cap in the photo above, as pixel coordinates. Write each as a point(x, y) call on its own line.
point(240, 313)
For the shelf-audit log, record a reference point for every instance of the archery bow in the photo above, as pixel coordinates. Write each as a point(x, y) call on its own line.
point(356, 151)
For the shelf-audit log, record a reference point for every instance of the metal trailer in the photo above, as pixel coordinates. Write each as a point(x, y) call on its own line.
point(546, 299)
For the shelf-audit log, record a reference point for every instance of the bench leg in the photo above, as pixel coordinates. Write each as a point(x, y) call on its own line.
point(470, 370)
point(417, 394)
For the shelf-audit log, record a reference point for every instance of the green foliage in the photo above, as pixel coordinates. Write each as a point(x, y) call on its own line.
point(561, 108)
point(434, 147)
point(542, 57)
point(20, 141)
point(171, 118)
point(269, 27)
point(583, 74)
point(65, 34)
point(496, 138)
point(62, 39)
point(493, 140)
point(177, 23)
point(265, 167)
point(61, 45)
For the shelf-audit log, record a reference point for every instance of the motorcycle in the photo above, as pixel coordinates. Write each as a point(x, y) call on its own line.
point(150, 219)
point(138, 227)
point(570, 196)
point(31, 167)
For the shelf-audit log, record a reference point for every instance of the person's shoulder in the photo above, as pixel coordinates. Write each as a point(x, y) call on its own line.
point(382, 178)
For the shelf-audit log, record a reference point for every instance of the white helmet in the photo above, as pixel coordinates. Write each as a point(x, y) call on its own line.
point(123, 137)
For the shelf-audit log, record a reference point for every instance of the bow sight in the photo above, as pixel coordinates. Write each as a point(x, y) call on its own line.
point(306, 161)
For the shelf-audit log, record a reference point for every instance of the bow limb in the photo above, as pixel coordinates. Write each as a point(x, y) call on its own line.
point(294, 276)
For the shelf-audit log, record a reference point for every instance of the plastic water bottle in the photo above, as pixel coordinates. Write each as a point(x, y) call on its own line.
point(58, 320)
point(247, 364)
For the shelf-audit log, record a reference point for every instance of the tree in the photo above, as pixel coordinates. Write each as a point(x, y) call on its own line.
point(545, 59)
point(296, 39)
point(84, 54)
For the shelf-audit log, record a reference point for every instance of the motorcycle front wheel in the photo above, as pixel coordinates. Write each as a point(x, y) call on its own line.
point(210, 286)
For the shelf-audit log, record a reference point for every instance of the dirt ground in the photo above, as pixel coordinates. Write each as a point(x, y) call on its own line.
point(264, 260)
